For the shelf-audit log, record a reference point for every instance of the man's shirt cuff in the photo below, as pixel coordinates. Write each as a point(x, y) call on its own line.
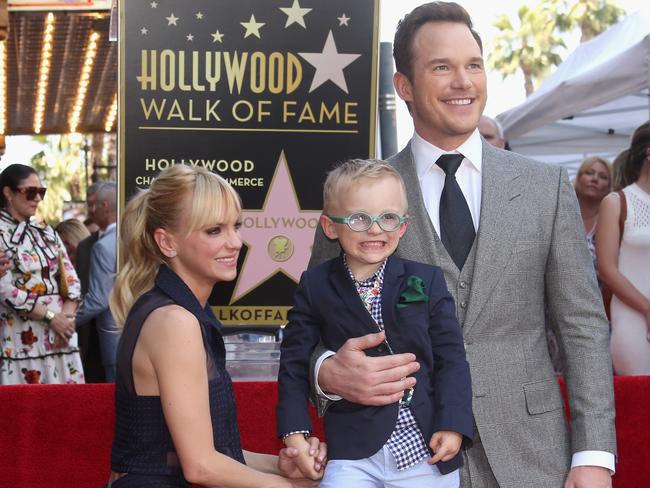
point(319, 392)
point(602, 459)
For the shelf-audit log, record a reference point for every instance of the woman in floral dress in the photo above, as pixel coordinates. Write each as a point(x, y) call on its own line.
point(38, 294)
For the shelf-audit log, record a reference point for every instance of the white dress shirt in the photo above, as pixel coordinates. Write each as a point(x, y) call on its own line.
point(432, 177)
point(100, 232)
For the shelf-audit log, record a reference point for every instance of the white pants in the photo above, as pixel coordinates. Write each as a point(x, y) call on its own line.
point(380, 470)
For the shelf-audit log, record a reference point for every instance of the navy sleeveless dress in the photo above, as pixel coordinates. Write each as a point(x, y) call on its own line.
point(142, 446)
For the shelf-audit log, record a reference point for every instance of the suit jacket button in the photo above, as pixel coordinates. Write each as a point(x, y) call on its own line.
point(463, 304)
point(463, 284)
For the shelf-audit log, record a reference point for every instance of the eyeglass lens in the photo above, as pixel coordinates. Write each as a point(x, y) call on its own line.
point(388, 221)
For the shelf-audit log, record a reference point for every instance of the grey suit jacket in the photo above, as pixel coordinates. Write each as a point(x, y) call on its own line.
point(530, 254)
point(100, 283)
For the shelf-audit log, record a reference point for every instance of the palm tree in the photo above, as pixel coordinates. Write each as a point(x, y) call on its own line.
point(61, 168)
point(530, 46)
point(591, 16)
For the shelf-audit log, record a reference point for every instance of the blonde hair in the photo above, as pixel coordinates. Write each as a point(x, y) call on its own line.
point(586, 164)
point(72, 231)
point(180, 197)
point(349, 172)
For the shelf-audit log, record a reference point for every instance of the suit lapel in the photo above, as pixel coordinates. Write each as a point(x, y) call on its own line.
point(500, 218)
point(347, 292)
point(417, 243)
point(393, 278)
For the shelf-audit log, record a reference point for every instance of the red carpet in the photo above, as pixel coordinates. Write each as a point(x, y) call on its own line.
point(60, 435)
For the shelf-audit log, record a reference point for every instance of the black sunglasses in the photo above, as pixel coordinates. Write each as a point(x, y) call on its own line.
point(30, 192)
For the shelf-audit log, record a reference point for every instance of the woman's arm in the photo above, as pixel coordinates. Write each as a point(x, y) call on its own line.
point(171, 348)
point(608, 238)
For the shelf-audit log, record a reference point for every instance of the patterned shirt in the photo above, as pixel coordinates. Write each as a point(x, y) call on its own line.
point(406, 443)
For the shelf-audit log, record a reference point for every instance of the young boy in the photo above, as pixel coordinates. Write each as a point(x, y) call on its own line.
point(368, 289)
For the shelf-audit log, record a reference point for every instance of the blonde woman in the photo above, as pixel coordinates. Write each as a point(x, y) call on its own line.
point(72, 232)
point(593, 182)
point(175, 410)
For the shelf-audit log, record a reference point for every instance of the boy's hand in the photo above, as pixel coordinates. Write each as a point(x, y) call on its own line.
point(445, 445)
point(309, 457)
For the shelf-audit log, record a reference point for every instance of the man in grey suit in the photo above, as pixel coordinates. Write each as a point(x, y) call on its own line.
point(103, 262)
point(525, 252)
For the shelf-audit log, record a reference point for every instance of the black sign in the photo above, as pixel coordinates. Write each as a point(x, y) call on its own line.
point(266, 93)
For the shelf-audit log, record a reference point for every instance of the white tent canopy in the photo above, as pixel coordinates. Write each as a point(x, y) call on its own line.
point(592, 103)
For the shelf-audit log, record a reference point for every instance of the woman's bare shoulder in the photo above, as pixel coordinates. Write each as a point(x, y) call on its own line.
point(171, 323)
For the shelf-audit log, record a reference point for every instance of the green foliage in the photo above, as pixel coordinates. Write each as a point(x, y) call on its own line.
point(591, 16)
point(532, 45)
point(61, 168)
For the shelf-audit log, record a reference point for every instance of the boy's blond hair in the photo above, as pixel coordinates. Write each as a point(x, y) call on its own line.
point(349, 172)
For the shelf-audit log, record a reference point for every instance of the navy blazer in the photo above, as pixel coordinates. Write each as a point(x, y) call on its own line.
point(327, 308)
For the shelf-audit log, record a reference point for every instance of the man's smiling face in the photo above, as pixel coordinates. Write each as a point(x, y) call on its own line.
point(447, 89)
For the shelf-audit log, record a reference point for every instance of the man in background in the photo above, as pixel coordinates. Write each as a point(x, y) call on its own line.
point(103, 263)
point(88, 337)
point(492, 131)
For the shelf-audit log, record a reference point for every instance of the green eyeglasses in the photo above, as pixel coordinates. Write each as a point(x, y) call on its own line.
point(361, 221)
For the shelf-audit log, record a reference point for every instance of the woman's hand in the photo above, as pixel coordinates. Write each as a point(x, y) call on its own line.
point(288, 456)
point(5, 263)
point(64, 329)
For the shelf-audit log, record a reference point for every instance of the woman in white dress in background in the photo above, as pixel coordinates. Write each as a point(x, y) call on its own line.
point(624, 263)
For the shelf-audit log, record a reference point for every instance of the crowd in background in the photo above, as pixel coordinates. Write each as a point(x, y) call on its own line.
point(55, 283)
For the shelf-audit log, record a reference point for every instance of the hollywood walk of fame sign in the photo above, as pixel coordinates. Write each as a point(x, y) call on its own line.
point(267, 93)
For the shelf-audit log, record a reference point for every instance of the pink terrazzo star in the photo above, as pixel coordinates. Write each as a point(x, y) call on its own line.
point(280, 229)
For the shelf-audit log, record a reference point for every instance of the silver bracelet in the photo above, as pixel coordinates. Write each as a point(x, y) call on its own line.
point(305, 433)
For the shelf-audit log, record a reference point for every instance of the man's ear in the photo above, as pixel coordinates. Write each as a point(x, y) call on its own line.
point(403, 86)
point(329, 229)
point(165, 242)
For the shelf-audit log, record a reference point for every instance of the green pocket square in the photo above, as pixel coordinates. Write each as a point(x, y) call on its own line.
point(413, 293)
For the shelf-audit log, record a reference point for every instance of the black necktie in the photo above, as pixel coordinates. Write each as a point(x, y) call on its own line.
point(456, 225)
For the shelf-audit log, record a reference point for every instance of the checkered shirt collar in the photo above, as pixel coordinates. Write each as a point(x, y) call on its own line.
point(377, 279)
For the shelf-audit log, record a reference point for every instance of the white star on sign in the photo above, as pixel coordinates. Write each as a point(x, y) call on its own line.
point(154, 4)
point(295, 14)
point(343, 20)
point(217, 36)
point(329, 64)
point(199, 15)
point(190, 37)
point(171, 20)
point(252, 27)
point(144, 31)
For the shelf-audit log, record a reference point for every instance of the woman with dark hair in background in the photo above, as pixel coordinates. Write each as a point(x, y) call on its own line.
point(39, 293)
point(592, 183)
point(624, 260)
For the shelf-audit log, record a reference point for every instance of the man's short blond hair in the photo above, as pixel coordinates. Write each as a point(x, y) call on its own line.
point(350, 172)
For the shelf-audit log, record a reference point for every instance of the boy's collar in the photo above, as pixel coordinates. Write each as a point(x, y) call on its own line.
point(379, 274)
